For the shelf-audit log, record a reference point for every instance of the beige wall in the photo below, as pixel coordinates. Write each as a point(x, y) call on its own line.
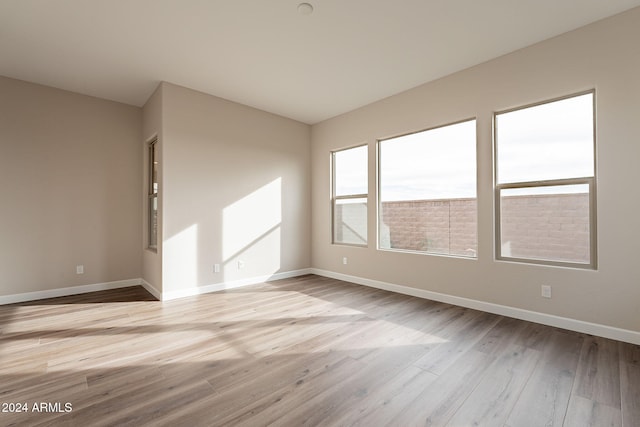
point(69, 181)
point(235, 187)
point(152, 121)
point(604, 56)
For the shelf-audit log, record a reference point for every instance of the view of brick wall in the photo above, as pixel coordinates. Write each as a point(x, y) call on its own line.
point(438, 226)
point(553, 226)
point(550, 226)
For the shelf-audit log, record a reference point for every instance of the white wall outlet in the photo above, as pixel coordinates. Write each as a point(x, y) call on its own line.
point(216, 268)
point(80, 269)
point(344, 260)
point(546, 291)
point(240, 265)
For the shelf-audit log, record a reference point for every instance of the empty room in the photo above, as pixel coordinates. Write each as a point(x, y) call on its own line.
point(331, 213)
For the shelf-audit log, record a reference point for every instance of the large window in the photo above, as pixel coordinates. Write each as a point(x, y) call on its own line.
point(350, 183)
point(545, 183)
point(152, 195)
point(427, 191)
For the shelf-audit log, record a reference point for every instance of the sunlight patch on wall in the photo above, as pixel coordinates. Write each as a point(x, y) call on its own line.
point(251, 232)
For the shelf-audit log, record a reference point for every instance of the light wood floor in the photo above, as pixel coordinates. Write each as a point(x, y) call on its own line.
point(304, 351)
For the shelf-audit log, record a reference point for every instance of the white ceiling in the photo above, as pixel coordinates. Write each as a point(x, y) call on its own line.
point(263, 53)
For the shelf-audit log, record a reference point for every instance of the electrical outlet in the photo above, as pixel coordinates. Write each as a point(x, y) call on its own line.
point(79, 269)
point(216, 268)
point(240, 265)
point(344, 260)
point(546, 291)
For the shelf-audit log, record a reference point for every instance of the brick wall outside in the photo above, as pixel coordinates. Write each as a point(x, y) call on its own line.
point(438, 226)
point(552, 227)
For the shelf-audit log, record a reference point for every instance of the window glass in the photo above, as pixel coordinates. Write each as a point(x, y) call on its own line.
point(351, 171)
point(350, 180)
point(428, 191)
point(545, 183)
point(548, 141)
point(546, 223)
point(351, 221)
point(152, 194)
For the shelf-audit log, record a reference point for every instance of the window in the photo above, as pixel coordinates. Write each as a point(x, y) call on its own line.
point(152, 195)
point(545, 183)
point(427, 184)
point(350, 183)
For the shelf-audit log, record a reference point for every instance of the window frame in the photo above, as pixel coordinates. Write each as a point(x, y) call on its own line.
point(379, 190)
point(335, 198)
point(591, 181)
point(152, 194)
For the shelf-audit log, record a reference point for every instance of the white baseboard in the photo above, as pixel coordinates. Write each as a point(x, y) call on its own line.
point(166, 296)
point(625, 335)
point(63, 292)
point(151, 289)
point(604, 331)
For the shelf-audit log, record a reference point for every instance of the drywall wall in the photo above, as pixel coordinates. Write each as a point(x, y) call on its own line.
point(152, 121)
point(604, 56)
point(236, 191)
point(69, 180)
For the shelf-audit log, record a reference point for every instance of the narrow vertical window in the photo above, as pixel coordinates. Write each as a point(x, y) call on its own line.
point(350, 183)
point(427, 183)
point(546, 184)
point(153, 195)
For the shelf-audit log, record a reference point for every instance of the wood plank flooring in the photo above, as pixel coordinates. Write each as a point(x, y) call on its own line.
point(303, 351)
